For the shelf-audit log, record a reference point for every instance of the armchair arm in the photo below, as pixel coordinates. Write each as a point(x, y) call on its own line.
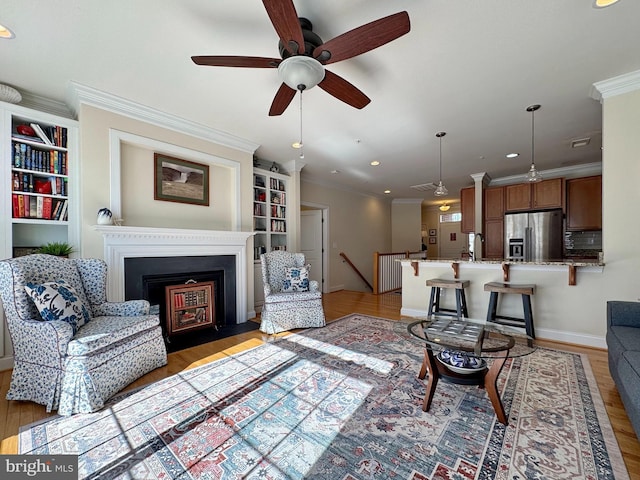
point(314, 286)
point(623, 313)
point(41, 342)
point(130, 308)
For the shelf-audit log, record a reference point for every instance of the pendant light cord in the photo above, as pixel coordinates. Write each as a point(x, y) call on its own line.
point(533, 162)
point(301, 144)
point(440, 158)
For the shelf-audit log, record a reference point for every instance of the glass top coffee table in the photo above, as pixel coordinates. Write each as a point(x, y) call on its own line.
point(467, 351)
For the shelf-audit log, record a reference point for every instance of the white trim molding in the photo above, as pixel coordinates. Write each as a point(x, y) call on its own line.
point(78, 94)
point(134, 242)
point(619, 85)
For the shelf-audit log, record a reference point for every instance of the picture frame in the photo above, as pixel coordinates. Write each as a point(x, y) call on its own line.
point(433, 232)
point(433, 240)
point(178, 180)
point(189, 307)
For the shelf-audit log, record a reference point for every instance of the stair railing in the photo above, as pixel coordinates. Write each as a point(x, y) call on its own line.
point(355, 269)
point(387, 270)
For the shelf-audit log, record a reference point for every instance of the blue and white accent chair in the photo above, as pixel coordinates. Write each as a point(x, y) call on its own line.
point(291, 299)
point(73, 350)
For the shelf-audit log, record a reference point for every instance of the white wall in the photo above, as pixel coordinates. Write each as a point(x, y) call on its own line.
point(359, 225)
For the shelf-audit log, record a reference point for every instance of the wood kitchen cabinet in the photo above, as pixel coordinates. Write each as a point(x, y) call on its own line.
point(533, 196)
point(493, 222)
point(468, 209)
point(584, 203)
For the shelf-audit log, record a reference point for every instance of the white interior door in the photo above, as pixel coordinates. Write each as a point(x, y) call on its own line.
point(311, 242)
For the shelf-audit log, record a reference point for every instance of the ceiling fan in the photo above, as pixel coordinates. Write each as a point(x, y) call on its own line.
point(304, 54)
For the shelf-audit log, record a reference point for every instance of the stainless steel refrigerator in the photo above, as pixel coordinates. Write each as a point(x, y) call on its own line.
point(533, 236)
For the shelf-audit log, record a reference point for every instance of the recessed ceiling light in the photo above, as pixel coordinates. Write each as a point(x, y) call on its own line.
point(335, 172)
point(375, 163)
point(512, 155)
point(603, 3)
point(387, 192)
point(5, 32)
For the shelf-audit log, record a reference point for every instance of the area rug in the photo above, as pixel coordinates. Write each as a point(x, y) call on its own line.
point(343, 403)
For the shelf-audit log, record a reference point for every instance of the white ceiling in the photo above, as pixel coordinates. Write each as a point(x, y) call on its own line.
point(468, 67)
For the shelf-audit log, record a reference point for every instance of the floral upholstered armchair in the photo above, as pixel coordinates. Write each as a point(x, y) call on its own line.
point(72, 349)
point(291, 300)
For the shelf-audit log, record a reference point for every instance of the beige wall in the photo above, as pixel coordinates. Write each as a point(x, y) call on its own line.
point(138, 206)
point(406, 218)
point(358, 226)
point(571, 313)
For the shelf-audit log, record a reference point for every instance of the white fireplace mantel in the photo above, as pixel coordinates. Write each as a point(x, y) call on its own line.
point(130, 242)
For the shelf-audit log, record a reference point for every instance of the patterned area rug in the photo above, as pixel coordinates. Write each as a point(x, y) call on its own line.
point(344, 403)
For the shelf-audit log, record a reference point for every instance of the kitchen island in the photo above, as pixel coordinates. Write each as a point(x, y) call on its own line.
point(559, 311)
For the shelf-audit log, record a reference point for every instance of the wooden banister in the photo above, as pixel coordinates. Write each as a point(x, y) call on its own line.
point(355, 269)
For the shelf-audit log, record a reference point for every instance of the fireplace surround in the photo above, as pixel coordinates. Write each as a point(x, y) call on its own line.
point(124, 242)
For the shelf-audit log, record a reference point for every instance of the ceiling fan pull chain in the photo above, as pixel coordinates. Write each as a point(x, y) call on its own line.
point(301, 144)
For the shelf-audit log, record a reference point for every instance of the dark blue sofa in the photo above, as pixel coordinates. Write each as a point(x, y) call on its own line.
point(623, 342)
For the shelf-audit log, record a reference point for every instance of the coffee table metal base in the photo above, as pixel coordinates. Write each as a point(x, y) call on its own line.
point(487, 379)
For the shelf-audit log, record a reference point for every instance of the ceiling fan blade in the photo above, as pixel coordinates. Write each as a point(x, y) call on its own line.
point(284, 18)
point(234, 61)
point(282, 100)
point(341, 89)
point(364, 38)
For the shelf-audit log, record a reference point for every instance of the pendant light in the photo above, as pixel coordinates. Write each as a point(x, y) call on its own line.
point(533, 175)
point(444, 207)
point(441, 190)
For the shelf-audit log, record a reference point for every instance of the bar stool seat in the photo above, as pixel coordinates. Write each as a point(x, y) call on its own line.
point(525, 290)
point(437, 284)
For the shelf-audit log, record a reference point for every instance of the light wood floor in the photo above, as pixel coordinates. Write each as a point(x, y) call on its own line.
point(13, 414)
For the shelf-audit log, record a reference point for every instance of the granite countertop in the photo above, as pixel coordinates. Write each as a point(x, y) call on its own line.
point(462, 261)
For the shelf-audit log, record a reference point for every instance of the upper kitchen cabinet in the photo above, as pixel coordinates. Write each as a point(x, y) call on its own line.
point(584, 203)
point(468, 209)
point(534, 196)
point(493, 222)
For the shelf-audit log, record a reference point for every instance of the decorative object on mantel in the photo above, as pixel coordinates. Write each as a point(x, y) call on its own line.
point(105, 217)
point(533, 175)
point(441, 190)
point(9, 94)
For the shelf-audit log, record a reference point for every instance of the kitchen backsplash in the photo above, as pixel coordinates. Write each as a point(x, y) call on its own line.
point(577, 242)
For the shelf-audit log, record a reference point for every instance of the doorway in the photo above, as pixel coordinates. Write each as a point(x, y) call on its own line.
point(313, 238)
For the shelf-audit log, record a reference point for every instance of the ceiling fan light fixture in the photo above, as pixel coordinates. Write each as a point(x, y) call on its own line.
point(5, 32)
point(301, 72)
point(441, 190)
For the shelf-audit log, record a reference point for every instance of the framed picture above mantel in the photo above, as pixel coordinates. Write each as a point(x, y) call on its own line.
point(183, 181)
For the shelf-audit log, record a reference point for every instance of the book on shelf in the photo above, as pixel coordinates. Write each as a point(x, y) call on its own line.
point(15, 203)
point(33, 207)
point(21, 206)
point(39, 205)
point(27, 138)
point(40, 132)
point(47, 204)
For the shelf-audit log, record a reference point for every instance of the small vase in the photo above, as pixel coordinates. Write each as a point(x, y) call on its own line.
point(105, 217)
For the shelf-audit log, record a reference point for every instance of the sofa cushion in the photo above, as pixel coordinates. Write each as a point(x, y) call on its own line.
point(105, 331)
point(296, 279)
point(58, 301)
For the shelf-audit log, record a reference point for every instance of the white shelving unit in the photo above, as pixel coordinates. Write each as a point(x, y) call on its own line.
point(270, 212)
point(32, 169)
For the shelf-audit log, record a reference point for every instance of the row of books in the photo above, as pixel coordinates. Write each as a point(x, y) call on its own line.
point(43, 208)
point(50, 161)
point(48, 135)
point(26, 182)
point(278, 211)
point(276, 184)
point(279, 226)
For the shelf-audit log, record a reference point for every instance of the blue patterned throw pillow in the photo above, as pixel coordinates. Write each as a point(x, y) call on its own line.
point(58, 301)
point(296, 279)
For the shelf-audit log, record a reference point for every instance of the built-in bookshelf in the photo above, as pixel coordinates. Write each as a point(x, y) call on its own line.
point(38, 152)
point(269, 212)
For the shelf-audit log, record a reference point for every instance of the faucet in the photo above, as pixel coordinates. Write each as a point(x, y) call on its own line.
point(475, 237)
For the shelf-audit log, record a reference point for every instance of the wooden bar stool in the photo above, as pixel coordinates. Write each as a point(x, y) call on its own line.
point(525, 290)
point(436, 285)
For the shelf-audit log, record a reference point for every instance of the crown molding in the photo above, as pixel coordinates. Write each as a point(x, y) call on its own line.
point(78, 94)
point(584, 170)
point(612, 87)
point(43, 104)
